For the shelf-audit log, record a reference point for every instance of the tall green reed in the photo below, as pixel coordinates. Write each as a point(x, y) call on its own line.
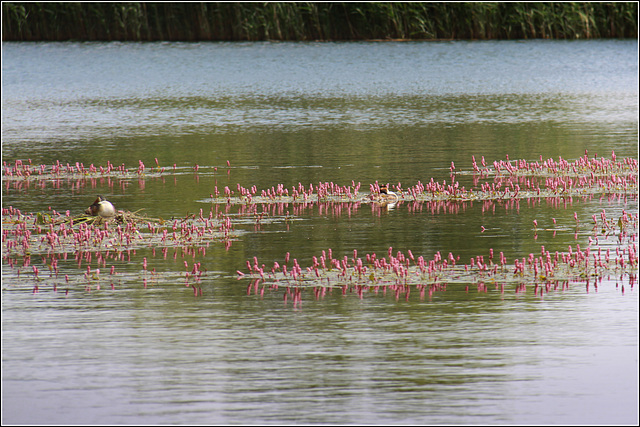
point(137, 21)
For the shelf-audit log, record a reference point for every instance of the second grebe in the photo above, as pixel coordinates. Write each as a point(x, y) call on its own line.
point(101, 207)
point(384, 198)
point(386, 195)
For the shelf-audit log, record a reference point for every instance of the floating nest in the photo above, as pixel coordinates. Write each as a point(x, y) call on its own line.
point(121, 217)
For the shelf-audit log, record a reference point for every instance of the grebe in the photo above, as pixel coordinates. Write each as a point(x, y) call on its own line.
point(101, 207)
point(385, 198)
point(386, 195)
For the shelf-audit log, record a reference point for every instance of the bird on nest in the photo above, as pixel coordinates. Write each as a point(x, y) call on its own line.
point(101, 207)
point(386, 197)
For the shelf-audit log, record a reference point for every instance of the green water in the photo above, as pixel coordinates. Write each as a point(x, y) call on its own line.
point(304, 113)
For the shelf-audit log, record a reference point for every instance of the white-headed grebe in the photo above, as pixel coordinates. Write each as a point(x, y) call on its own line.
point(101, 207)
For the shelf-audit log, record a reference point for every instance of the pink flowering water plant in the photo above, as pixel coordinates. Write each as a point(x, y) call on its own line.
point(61, 238)
point(399, 272)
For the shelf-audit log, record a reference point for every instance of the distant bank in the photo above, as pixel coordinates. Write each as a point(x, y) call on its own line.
point(306, 21)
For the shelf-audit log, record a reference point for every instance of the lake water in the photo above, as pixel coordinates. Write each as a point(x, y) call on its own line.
point(148, 350)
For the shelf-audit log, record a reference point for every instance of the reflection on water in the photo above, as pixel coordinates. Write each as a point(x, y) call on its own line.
point(91, 90)
point(240, 359)
point(159, 344)
point(206, 116)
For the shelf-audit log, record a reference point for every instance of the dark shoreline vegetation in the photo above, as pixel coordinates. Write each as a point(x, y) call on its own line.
point(305, 21)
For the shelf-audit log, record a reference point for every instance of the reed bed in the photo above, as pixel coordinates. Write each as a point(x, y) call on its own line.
point(139, 21)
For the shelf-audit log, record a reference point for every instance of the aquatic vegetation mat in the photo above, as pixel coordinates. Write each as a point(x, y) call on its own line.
point(612, 250)
point(500, 180)
point(401, 271)
point(26, 235)
point(506, 180)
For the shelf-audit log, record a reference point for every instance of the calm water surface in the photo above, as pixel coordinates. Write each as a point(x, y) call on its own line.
point(305, 113)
